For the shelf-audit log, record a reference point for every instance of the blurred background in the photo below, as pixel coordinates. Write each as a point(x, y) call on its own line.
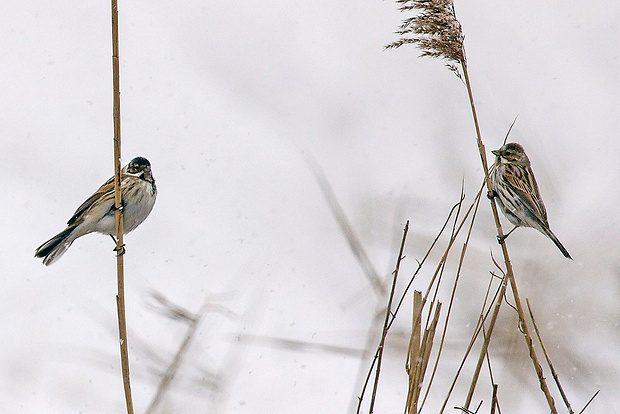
point(228, 100)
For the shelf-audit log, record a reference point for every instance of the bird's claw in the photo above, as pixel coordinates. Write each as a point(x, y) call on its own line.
point(500, 239)
point(491, 194)
point(119, 251)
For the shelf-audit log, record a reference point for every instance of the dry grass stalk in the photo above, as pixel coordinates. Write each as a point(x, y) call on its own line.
point(589, 401)
point(434, 281)
point(456, 207)
point(437, 32)
point(475, 204)
point(419, 352)
point(484, 314)
point(120, 297)
point(346, 227)
point(193, 321)
point(360, 399)
point(368, 268)
point(388, 312)
point(508, 277)
point(413, 353)
point(494, 399)
point(487, 339)
point(549, 363)
point(436, 278)
point(494, 403)
point(417, 375)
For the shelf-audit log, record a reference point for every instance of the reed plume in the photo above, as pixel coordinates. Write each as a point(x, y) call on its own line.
point(435, 30)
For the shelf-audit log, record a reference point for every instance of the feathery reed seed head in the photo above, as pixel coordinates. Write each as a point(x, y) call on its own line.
point(435, 30)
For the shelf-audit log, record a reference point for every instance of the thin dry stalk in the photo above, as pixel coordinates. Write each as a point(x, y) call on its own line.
point(556, 378)
point(418, 353)
point(453, 294)
point(438, 271)
point(387, 319)
point(438, 33)
point(371, 337)
point(428, 252)
point(487, 339)
point(413, 352)
point(298, 346)
point(360, 398)
point(479, 325)
point(589, 401)
point(392, 315)
point(528, 339)
point(509, 271)
point(346, 228)
point(427, 345)
point(436, 278)
point(194, 322)
point(120, 297)
point(494, 400)
point(360, 254)
point(431, 283)
point(442, 266)
point(494, 403)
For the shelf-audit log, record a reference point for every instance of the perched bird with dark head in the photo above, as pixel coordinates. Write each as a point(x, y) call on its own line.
point(97, 213)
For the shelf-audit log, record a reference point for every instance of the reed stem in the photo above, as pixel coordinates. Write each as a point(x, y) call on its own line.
point(120, 249)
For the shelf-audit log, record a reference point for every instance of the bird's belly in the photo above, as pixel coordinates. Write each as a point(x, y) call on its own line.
point(135, 213)
point(137, 206)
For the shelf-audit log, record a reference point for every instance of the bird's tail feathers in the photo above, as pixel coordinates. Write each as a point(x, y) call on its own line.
point(550, 234)
point(55, 247)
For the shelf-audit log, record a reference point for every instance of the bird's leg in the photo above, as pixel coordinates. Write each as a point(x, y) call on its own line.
point(121, 251)
point(500, 240)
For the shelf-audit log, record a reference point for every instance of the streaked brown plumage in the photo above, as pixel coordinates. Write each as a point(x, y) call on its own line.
point(513, 181)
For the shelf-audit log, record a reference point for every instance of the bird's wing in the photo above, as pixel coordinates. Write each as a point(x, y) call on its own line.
point(106, 191)
point(522, 181)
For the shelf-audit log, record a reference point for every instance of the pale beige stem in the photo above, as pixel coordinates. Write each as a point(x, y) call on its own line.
point(509, 272)
point(120, 297)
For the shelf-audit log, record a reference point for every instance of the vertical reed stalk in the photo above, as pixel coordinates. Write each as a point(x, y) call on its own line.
point(556, 378)
point(509, 272)
point(388, 313)
point(120, 297)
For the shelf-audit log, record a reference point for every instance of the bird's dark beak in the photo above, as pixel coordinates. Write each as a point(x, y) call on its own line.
point(495, 152)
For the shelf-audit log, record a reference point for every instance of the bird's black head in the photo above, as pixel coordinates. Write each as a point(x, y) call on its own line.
point(140, 167)
point(139, 162)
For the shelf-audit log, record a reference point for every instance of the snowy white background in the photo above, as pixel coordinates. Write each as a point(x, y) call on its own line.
point(223, 98)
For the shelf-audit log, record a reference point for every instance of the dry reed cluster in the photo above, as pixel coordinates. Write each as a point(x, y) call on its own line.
point(436, 31)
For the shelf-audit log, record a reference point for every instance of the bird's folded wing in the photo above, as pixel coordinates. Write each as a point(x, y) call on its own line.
point(105, 192)
point(523, 182)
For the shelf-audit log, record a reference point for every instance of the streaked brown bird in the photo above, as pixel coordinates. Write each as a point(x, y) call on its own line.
point(514, 184)
point(97, 213)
